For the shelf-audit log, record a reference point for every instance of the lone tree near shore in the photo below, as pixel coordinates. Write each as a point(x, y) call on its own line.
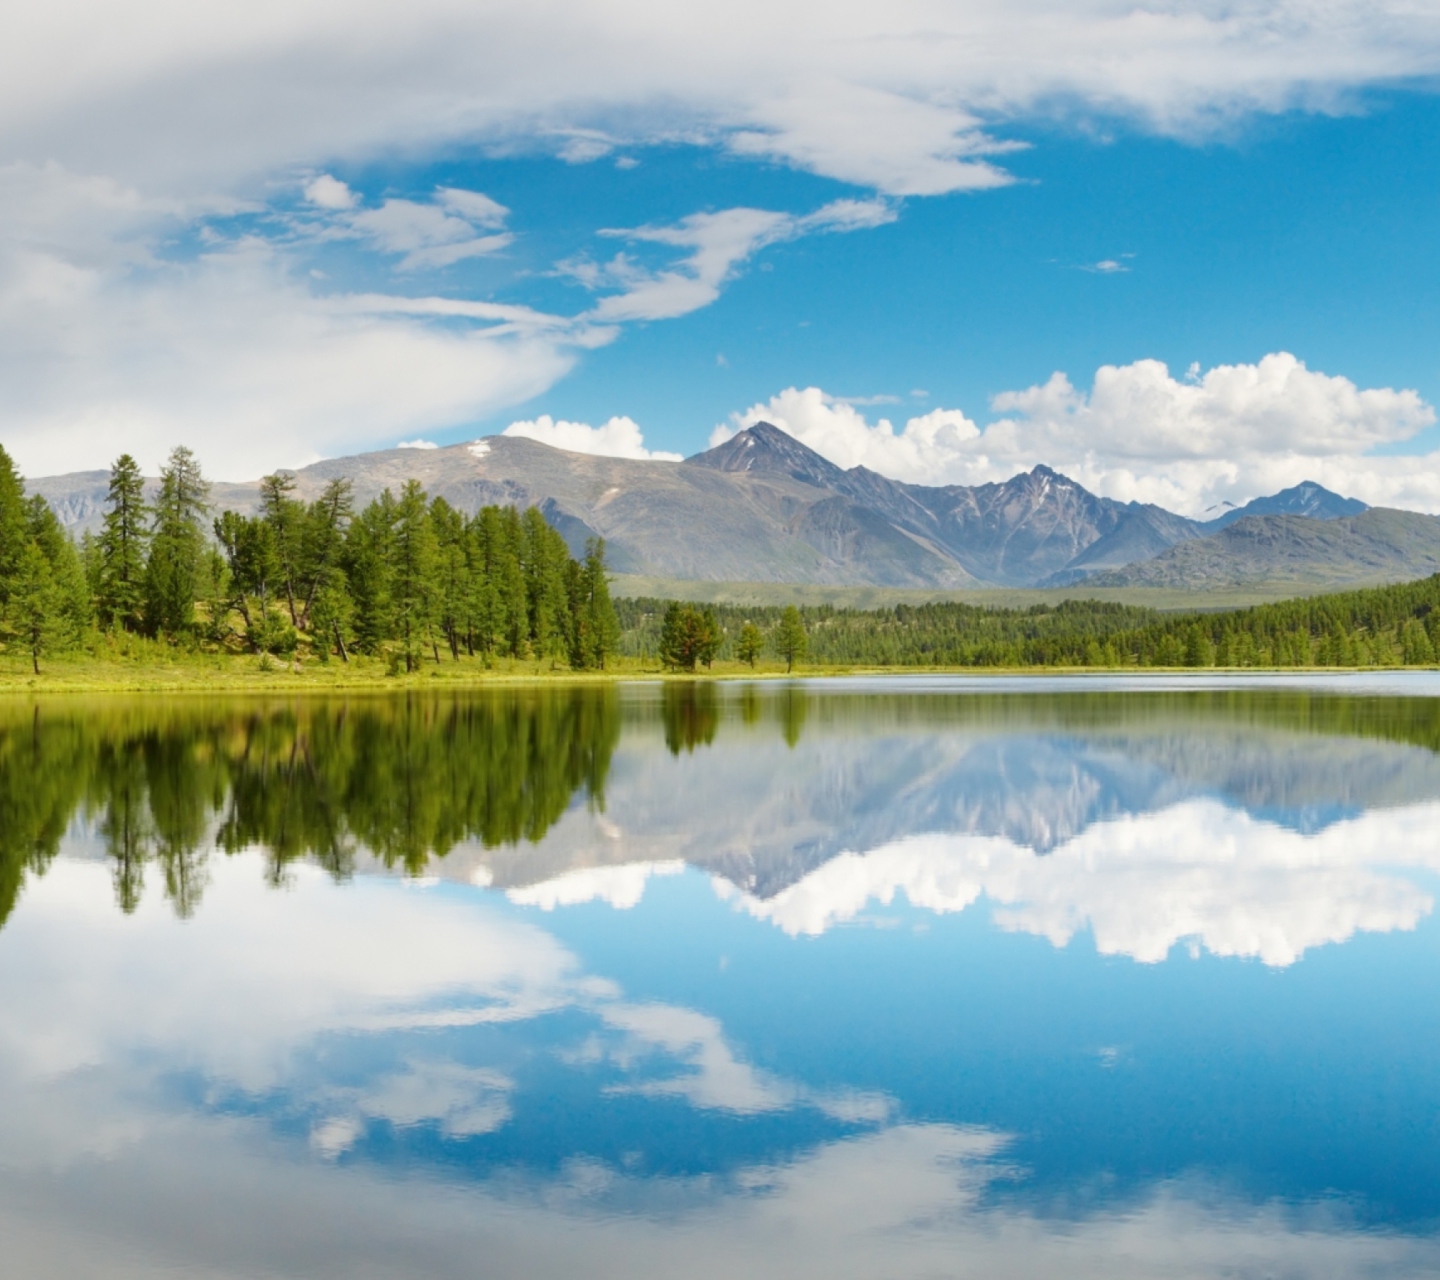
point(687, 636)
point(750, 644)
point(791, 642)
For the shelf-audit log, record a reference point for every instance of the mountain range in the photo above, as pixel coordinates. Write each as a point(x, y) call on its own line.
point(763, 507)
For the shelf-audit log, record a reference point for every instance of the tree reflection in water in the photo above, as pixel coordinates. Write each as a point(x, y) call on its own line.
point(167, 781)
point(164, 782)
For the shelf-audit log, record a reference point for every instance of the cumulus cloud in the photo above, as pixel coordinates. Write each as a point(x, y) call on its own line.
point(327, 192)
point(617, 438)
point(622, 886)
point(1231, 434)
point(1232, 883)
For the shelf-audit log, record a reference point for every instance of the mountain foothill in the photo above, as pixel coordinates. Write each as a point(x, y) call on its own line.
point(764, 508)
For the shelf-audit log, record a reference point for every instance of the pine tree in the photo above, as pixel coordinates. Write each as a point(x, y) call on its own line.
point(285, 518)
point(71, 594)
point(453, 587)
point(122, 546)
point(544, 556)
point(175, 572)
point(791, 642)
point(13, 536)
point(322, 550)
point(595, 628)
point(35, 603)
point(687, 636)
point(414, 575)
point(750, 644)
point(369, 550)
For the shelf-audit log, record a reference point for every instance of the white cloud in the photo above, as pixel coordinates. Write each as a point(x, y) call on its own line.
point(267, 978)
point(438, 234)
point(621, 886)
point(890, 96)
point(617, 438)
point(235, 356)
point(1233, 433)
point(718, 243)
point(328, 192)
point(159, 115)
point(1234, 884)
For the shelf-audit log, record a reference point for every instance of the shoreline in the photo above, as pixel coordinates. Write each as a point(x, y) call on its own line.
point(233, 677)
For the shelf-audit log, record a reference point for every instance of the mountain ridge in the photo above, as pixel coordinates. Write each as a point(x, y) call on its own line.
point(764, 507)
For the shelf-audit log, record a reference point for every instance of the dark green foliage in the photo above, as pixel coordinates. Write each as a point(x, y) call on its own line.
point(751, 643)
point(175, 573)
point(692, 715)
point(13, 534)
point(595, 630)
point(406, 779)
point(791, 641)
point(689, 635)
point(122, 548)
point(1380, 626)
point(414, 575)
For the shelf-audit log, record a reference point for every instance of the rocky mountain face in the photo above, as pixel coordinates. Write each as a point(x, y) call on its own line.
point(762, 507)
point(1305, 499)
point(1378, 545)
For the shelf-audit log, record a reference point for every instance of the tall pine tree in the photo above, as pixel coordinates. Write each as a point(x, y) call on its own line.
point(176, 568)
point(122, 546)
point(14, 536)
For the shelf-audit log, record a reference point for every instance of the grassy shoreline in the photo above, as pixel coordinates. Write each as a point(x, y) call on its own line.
point(211, 673)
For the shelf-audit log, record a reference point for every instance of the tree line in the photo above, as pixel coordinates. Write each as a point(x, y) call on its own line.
point(403, 577)
point(1380, 626)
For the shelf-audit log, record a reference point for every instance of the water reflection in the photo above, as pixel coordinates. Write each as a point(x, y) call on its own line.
point(856, 996)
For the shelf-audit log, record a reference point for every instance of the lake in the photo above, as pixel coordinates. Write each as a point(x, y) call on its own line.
point(911, 977)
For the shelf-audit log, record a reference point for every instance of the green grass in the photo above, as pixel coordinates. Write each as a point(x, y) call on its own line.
point(1166, 599)
point(226, 673)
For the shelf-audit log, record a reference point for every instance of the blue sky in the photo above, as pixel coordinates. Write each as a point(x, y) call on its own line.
point(278, 237)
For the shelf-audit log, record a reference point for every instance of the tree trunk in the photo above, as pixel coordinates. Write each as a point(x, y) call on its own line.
point(340, 642)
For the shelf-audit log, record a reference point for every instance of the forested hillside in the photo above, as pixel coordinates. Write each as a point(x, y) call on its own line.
point(400, 579)
point(1383, 626)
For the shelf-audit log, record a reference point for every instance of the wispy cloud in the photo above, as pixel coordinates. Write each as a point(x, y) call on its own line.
point(716, 245)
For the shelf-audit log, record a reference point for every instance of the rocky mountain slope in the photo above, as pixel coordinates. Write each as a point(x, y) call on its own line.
point(1378, 545)
point(762, 507)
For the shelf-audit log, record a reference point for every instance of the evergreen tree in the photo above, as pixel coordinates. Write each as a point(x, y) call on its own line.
point(595, 628)
point(414, 575)
point(285, 518)
point(750, 644)
point(791, 641)
point(175, 572)
point(13, 535)
point(35, 604)
point(687, 636)
point(322, 543)
point(454, 589)
point(544, 556)
point(71, 594)
point(254, 570)
point(123, 545)
point(369, 550)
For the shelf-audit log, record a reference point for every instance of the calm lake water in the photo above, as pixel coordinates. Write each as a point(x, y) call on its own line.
point(903, 978)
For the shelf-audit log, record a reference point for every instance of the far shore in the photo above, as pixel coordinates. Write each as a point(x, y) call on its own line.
point(212, 673)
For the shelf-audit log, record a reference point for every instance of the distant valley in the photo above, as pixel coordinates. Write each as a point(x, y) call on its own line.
point(764, 508)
